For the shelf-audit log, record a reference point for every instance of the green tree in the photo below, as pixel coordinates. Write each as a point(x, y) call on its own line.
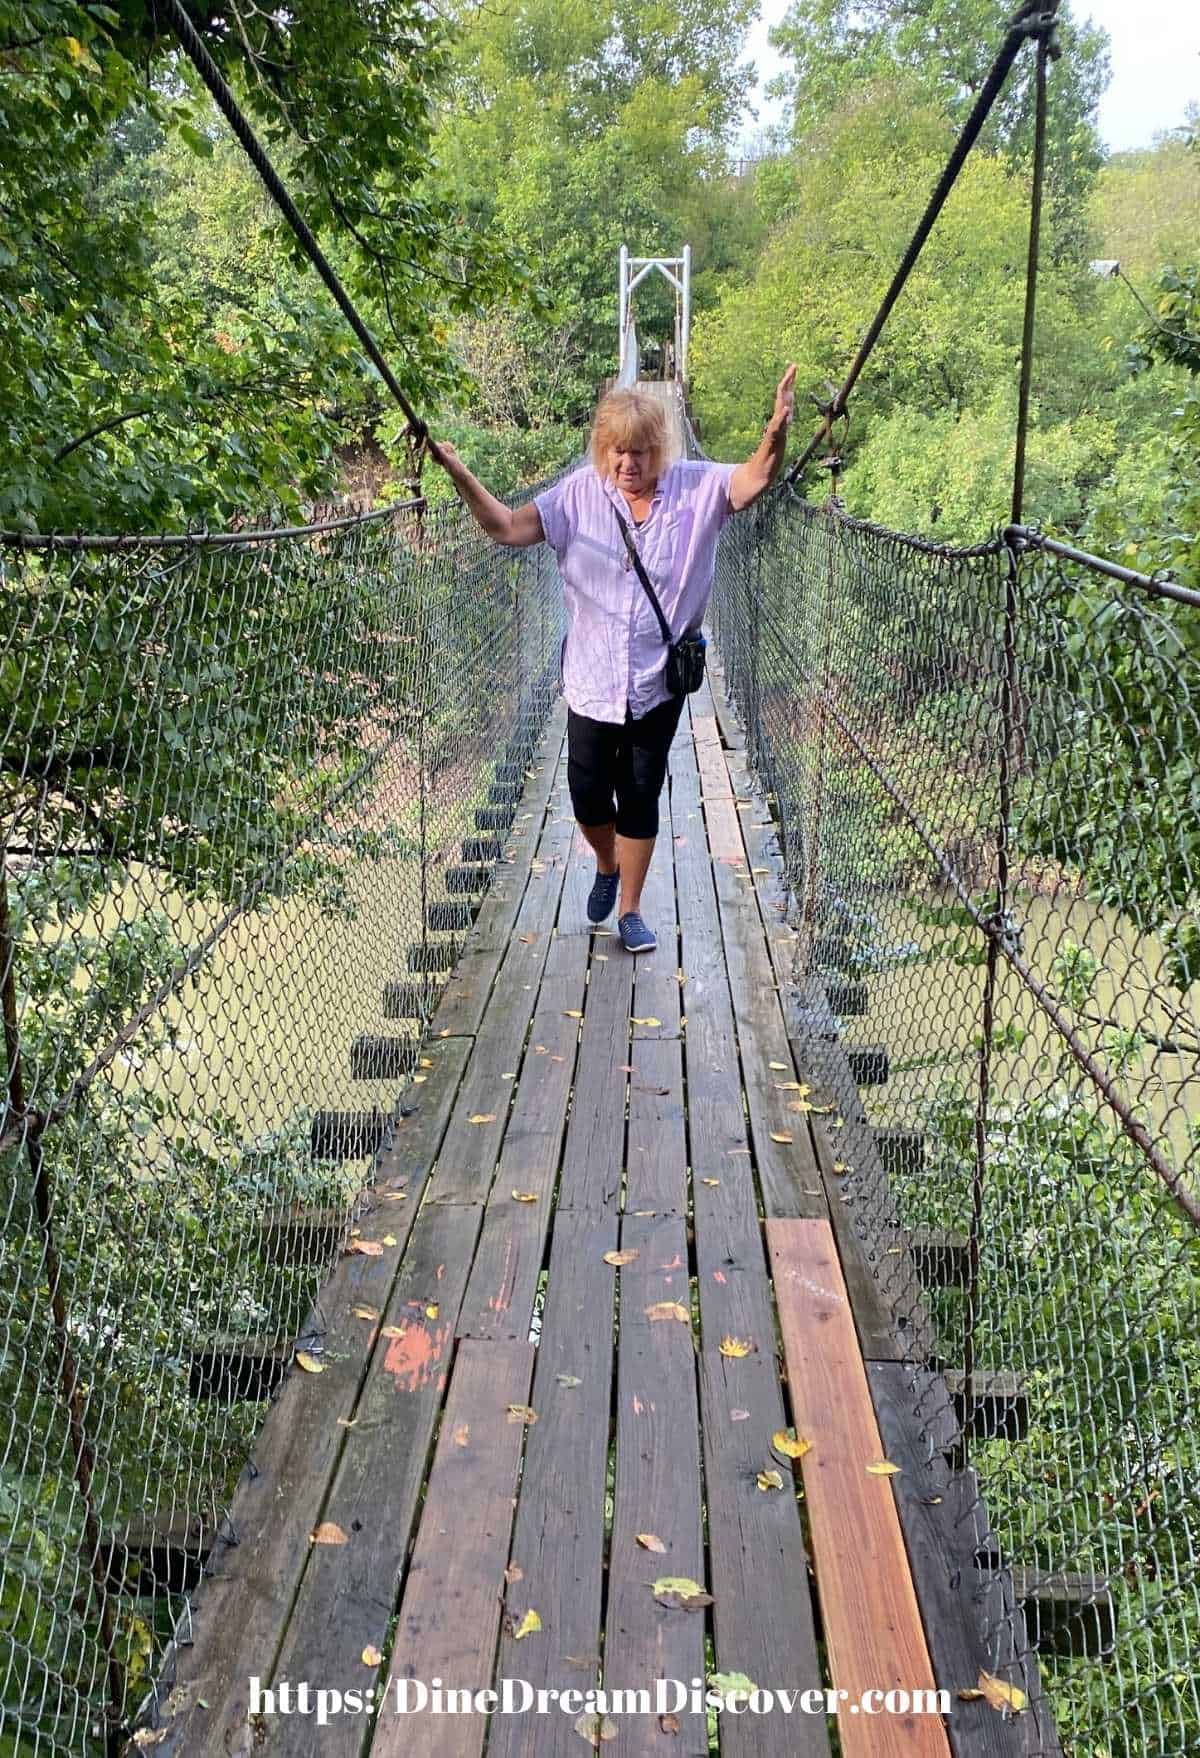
point(948, 46)
point(130, 399)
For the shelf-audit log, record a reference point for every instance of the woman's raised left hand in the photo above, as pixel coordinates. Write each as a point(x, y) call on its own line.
point(785, 396)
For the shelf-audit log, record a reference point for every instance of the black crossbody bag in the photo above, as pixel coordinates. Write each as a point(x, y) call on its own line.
point(685, 657)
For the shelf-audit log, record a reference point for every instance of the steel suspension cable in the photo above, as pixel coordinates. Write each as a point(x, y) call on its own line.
point(1035, 18)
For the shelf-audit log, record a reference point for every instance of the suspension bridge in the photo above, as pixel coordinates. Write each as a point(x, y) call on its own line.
point(407, 1291)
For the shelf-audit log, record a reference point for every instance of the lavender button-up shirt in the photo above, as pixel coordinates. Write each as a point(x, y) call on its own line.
point(614, 653)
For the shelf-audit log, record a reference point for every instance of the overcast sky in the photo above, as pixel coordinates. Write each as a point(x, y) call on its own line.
point(1155, 58)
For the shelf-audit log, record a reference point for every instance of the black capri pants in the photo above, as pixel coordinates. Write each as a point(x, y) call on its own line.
point(630, 761)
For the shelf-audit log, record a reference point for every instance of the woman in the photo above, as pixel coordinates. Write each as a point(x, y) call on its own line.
point(621, 717)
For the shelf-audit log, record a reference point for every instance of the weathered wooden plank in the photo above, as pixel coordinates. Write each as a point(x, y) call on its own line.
point(594, 1153)
point(657, 1484)
point(787, 1169)
point(999, 1613)
point(469, 1153)
point(656, 1153)
point(347, 1591)
point(872, 1624)
point(558, 1541)
point(940, 1557)
point(238, 1615)
point(450, 1609)
point(504, 1277)
point(462, 1004)
point(763, 1622)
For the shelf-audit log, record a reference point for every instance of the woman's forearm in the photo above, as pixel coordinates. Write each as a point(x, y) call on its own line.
point(492, 515)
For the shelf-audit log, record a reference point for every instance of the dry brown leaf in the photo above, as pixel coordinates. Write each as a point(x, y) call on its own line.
point(970, 1695)
point(801, 1105)
point(713, 1181)
point(394, 1331)
point(395, 1196)
point(308, 1362)
point(668, 1309)
point(364, 1248)
point(426, 1062)
point(572, 1013)
point(596, 1729)
point(367, 1312)
point(328, 1533)
point(650, 1541)
point(462, 1434)
point(791, 1445)
point(736, 1347)
point(521, 1413)
point(617, 1258)
point(780, 1135)
point(669, 1724)
point(513, 1574)
point(1000, 1694)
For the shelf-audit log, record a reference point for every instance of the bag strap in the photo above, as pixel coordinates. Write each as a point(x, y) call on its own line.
point(636, 559)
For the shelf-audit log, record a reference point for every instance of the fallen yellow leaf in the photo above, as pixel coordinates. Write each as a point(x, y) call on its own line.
point(528, 1624)
point(790, 1444)
point(572, 1013)
point(776, 1064)
point(770, 1480)
point(884, 1468)
point(366, 1312)
point(524, 1196)
point(308, 1362)
point(651, 1021)
point(617, 1258)
point(483, 1117)
point(1000, 1694)
point(394, 1331)
point(431, 1311)
point(713, 1181)
point(371, 1656)
point(780, 1135)
point(389, 1239)
point(840, 1167)
point(736, 1347)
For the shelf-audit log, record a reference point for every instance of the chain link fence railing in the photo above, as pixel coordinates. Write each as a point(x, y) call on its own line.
point(251, 791)
point(986, 771)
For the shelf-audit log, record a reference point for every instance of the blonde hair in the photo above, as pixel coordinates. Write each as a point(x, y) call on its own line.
point(629, 418)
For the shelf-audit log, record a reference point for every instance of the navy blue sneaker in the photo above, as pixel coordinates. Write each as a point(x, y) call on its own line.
point(603, 895)
point(635, 935)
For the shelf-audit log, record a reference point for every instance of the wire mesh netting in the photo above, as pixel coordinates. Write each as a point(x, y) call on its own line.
point(986, 770)
point(252, 789)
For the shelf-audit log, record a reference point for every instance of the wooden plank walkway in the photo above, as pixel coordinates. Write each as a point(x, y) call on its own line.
point(562, 1376)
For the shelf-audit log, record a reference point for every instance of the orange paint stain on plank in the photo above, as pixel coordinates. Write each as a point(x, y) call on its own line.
point(412, 1358)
